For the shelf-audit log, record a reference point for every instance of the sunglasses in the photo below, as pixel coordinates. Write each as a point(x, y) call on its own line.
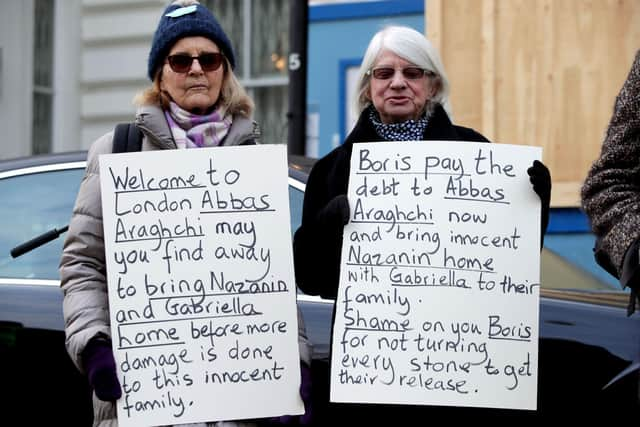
point(409, 73)
point(181, 62)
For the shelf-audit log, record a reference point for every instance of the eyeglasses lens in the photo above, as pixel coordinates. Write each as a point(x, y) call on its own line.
point(409, 73)
point(181, 63)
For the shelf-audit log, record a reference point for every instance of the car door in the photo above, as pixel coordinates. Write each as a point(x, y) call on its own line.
point(33, 358)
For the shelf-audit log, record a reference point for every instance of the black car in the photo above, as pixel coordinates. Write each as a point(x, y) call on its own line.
point(586, 339)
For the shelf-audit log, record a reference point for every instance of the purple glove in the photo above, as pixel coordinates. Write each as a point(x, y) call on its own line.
point(305, 394)
point(101, 369)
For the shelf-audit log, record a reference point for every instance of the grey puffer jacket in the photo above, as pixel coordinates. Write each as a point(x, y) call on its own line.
point(83, 268)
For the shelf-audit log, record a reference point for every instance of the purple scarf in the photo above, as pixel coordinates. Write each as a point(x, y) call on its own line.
point(193, 131)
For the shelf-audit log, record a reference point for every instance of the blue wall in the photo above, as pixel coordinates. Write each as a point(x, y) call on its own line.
point(338, 36)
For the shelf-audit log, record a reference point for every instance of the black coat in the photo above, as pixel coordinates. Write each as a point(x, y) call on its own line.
point(317, 255)
point(317, 268)
point(317, 261)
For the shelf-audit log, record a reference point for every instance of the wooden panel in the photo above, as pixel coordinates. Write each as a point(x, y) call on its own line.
point(463, 53)
point(458, 42)
point(538, 72)
point(594, 45)
point(433, 23)
point(523, 72)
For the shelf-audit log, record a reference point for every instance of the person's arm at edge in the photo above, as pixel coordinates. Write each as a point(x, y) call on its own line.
point(611, 192)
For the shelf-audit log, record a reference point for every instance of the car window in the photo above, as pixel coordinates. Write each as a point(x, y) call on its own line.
point(31, 205)
point(296, 198)
point(55, 192)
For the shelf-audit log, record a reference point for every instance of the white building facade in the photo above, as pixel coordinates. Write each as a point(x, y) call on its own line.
point(69, 69)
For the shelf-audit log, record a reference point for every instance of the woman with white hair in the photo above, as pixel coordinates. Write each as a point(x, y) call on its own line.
point(402, 95)
point(422, 73)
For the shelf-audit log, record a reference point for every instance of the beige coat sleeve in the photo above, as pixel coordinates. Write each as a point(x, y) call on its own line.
point(306, 349)
point(82, 266)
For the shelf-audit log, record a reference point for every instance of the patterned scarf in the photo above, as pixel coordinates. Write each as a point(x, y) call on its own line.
point(193, 131)
point(411, 130)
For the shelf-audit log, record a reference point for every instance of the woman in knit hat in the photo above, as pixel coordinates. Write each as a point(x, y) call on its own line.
point(194, 101)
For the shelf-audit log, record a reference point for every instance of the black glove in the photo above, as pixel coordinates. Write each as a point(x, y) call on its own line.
point(541, 179)
point(101, 369)
point(630, 275)
point(335, 215)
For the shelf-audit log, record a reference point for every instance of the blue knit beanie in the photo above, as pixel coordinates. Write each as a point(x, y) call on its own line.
point(177, 22)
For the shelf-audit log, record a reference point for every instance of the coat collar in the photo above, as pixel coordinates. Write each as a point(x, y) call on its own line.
point(439, 127)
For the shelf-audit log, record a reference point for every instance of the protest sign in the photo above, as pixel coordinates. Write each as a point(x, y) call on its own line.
point(202, 295)
point(439, 286)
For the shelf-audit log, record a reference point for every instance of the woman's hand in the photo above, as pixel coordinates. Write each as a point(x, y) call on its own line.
point(305, 394)
point(335, 215)
point(101, 370)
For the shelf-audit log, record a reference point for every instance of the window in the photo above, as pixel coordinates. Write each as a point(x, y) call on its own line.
point(271, 110)
point(42, 77)
point(34, 204)
point(296, 199)
point(230, 15)
point(269, 37)
point(259, 33)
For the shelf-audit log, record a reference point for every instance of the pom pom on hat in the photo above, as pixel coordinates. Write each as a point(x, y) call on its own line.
point(178, 22)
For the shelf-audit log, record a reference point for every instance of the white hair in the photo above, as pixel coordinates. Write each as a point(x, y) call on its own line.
point(412, 46)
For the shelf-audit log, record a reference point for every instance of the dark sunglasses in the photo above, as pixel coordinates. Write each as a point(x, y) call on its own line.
point(181, 62)
point(409, 73)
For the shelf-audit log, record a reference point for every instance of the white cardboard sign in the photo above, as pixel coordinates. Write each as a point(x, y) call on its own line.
point(440, 271)
point(201, 287)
